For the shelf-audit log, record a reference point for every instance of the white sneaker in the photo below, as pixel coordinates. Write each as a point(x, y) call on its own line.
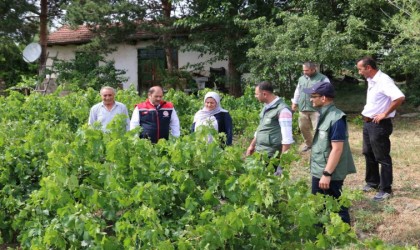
point(381, 196)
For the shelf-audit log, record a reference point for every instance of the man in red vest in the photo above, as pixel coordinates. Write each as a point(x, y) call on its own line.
point(156, 116)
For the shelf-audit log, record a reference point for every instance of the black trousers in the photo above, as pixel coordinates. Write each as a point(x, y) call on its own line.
point(377, 148)
point(334, 191)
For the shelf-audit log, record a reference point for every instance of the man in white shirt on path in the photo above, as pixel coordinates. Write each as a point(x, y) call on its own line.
point(383, 98)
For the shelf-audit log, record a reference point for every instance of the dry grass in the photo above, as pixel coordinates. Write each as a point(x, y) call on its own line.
point(396, 221)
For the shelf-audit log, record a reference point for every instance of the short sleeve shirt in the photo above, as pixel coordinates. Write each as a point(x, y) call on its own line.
point(338, 130)
point(381, 92)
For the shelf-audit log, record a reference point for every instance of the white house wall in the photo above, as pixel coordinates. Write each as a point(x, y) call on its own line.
point(125, 58)
point(64, 53)
point(194, 57)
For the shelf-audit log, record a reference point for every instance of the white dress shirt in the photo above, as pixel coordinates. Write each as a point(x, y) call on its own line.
point(100, 113)
point(381, 92)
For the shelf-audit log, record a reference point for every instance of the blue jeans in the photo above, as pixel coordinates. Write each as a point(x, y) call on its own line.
point(334, 191)
point(377, 148)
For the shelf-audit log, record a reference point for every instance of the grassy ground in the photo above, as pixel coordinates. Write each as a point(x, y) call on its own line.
point(397, 220)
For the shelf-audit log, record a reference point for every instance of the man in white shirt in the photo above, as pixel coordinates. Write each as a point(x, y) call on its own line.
point(106, 110)
point(383, 98)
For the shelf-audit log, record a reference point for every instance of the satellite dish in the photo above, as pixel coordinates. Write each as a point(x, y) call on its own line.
point(32, 52)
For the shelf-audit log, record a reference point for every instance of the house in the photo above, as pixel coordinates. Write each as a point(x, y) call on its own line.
point(138, 58)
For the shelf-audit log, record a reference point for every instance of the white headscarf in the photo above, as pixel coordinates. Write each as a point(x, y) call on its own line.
point(204, 114)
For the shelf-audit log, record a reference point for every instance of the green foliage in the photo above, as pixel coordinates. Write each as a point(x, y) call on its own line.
point(90, 69)
point(281, 49)
point(216, 28)
point(12, 66)
point(335, 36)
point(27, 82)
point(401, 53)
point(18, 21)
point(178, 79)
point(66, 185)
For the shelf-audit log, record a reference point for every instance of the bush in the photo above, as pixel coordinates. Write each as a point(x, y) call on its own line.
point(67, 185)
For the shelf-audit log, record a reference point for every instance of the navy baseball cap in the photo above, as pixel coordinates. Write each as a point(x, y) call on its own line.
point(322, 88)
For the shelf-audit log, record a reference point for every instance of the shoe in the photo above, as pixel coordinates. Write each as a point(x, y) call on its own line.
point(369, 188)
point(279, 171)
point(305, 149)
point(381, 196)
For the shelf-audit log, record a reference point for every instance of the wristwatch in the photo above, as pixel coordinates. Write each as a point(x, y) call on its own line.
point(326, 173)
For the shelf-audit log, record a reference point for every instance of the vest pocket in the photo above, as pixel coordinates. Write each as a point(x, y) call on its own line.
point(274, 140)
point(263, 139)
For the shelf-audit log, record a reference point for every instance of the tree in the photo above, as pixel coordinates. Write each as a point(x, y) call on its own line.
point(21, 21)
point(401, 57)
point(212, 26)
point(121, 19)
point(12, 66)
point(43, 33)
point(49, 11)
point(18, 24)
point(90, 68)
point(215, 28)
point(332, 33)
point(281, 49)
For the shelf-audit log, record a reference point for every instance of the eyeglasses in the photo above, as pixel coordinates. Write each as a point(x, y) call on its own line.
point(315, 96)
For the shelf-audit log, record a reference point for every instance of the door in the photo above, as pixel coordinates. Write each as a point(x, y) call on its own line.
point(151, 68)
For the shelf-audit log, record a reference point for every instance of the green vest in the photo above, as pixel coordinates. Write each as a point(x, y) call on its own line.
point(321, 147)
point(268, 135)
point(304, 102)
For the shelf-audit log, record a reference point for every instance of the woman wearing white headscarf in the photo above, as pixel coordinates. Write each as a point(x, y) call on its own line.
point(212, 114)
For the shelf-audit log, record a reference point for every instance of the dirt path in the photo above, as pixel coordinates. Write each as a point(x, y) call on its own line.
point(396, 221)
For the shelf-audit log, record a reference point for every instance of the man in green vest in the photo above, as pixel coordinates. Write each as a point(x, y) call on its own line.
point(308, 117)
point(331, 158)
point(274, 133)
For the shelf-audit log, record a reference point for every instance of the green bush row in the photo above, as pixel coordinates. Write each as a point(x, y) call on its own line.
point(67, 185)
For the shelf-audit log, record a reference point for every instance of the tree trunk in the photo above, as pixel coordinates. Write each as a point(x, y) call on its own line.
point(168, 52)
point(166, 7)
point(43, 24)
point(234, 79)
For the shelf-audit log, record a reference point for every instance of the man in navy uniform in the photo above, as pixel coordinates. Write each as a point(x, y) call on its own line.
point(157, 117)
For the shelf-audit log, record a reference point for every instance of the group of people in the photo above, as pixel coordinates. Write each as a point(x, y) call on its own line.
point(158, 118)
point(323, 126)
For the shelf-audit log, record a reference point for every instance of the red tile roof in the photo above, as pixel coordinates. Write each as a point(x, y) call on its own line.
point(66, 35)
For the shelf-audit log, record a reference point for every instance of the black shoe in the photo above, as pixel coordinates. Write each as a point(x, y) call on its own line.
point(381, 196)
point(369, 188)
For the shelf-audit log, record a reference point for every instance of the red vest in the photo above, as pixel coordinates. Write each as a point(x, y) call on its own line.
point(155, 120)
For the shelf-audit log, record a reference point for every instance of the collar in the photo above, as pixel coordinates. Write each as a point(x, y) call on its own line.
point(268, 105)
point(324, 109)
point(310, 77)
point(150, 102)
point(160, 104)
point(103, 104)
point(374, 79)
